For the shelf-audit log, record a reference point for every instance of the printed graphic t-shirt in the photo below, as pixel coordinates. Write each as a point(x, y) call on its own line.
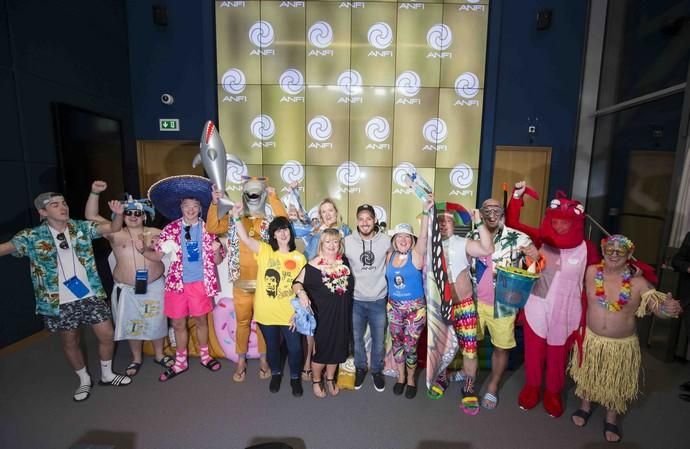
point(274, 277)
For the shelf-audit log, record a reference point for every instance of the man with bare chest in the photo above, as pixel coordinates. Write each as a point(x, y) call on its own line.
point(608, 369)
point(138, 291)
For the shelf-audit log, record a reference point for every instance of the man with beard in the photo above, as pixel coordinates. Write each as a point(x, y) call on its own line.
point(138, 291)
point(510, 248)
point(366, 251)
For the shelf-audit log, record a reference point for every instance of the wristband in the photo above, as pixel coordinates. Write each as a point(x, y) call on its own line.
point(236, 219)
point(426, 212)
point(95, 193)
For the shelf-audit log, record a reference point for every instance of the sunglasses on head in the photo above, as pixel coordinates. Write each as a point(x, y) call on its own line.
point(613, 251)
point(187, 235)
point(63, 240)
point(134, 213)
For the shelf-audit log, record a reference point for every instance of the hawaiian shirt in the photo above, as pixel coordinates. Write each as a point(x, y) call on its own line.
point(506, 253)
point(38, 245)
point(169, 240)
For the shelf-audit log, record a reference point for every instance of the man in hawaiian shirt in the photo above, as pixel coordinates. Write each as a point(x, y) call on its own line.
point(67, 288)
point(510, 248)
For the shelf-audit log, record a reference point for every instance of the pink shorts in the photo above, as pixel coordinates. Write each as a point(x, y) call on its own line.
point(193, 301)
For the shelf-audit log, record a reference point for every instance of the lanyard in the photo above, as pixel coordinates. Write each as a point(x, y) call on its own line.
point(74, 263)
point(134, 256)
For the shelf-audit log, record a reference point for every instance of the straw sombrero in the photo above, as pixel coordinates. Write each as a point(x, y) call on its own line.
point(167, 194)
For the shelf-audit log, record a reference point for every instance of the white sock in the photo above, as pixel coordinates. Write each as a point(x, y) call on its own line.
point(107, 370)
point(84, 378)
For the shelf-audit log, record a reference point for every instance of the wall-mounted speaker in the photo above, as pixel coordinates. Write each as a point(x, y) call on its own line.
point(160, 15)
point(544, 18)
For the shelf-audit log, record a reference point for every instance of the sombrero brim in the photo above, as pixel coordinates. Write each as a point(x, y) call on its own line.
point(167, 194)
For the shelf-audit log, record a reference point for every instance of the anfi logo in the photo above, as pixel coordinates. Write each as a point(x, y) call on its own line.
point(380, 213)
point(461, 176)
point(435, 130)
point(292, 171)
point(348, 173)
point(262, 127)
point(380, 35)
point(467, 85)
point(320, 128)
point(350, 82)
point(233, 81)
point(236, 172)
point(291, 81)
point(439, 37)
point(377, 129)
point(408, 83)
point(320, 34)
point(401, 172)
point(261, 34)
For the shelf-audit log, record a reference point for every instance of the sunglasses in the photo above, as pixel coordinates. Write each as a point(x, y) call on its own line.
point(491, 211)
point(612, 251)
point(134, 213)
point(63, 240)
point(187, 235)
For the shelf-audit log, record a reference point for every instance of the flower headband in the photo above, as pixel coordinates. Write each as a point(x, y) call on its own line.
point(621, 240)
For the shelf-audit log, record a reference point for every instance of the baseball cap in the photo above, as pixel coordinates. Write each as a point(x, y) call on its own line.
point(367, 207)
point(43, 199)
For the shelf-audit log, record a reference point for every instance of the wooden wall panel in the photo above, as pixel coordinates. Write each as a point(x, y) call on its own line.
point(162, 158)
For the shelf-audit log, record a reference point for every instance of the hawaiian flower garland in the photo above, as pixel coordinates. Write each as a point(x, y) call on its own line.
point(623, 296)
point(334, 276)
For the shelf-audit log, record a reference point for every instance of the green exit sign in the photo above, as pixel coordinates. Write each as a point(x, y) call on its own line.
point(169, 124)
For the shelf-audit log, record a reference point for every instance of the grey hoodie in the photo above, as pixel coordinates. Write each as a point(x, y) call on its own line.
point(370, 278)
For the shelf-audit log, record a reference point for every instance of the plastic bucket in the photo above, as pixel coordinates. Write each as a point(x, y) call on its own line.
point(513, 286)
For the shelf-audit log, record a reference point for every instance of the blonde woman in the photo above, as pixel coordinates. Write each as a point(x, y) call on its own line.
point(329, 217)
point(327, 282)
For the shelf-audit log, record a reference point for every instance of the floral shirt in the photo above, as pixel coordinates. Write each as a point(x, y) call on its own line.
point(169, 242)
point(506, 253)
point(38, 245)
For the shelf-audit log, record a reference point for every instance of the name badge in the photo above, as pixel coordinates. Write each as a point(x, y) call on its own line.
point(76, 286)
point(141, 281)
point(192, 251)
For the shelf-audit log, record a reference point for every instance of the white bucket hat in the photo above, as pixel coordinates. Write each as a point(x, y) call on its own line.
point(402, 228)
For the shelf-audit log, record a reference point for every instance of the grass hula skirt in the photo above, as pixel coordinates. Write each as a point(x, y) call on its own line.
point(610, 371)
point(167, 194)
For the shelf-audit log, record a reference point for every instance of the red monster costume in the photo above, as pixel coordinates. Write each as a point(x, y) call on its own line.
point(554, 317)
point(554, 310)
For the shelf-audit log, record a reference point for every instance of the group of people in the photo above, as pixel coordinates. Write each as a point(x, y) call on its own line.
point(349, 281)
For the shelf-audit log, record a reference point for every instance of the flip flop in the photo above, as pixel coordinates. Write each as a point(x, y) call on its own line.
point(306, 374)
point(83, 389)
point(612, 428)
point(435, 392)
point(118, 381)
point(489, 401)
point(239, 376)
point(212, 365)
point(264, 373)
point(470, 405)
point(685, 397)
point(582, 414)
point(170, 373)
point(134, 366)
point(685, 386)
point(410, 391)
point(165, 362)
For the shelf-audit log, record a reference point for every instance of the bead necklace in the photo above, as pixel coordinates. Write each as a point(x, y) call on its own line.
point(623, 296)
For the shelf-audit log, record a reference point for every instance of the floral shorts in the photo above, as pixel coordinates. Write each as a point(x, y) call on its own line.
point(88, 311)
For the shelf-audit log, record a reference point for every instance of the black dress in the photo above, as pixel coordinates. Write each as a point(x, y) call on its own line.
point(333, 314)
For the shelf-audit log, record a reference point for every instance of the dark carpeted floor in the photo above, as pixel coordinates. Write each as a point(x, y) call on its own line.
point(201, 409)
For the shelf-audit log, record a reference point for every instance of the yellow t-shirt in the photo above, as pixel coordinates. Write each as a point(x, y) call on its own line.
point(274, 277)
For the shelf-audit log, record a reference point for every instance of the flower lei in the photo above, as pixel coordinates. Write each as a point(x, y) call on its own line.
point(623, 296)
point(334, 276)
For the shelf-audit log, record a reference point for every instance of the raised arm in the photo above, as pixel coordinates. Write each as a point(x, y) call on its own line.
point(252, 244)
point(91, 208)
point(419, 252)
point(110, 227)
point(485, 245)
point(513, 213)
point(213, 224)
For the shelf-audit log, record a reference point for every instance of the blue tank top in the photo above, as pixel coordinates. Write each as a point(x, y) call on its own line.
point(404, 282)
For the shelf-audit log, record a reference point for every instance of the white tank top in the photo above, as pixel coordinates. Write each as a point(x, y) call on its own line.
point(455, 252)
